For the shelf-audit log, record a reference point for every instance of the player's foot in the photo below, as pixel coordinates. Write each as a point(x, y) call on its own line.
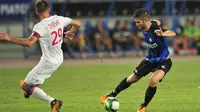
point(103, 98)
point(56, 105)
point(142, 109)
point(25, 94)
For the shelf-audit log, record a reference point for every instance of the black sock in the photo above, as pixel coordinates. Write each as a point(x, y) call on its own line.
point(123, 85)
point(150, 92)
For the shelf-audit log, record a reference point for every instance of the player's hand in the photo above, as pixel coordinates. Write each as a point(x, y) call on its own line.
point(4, 36)
point(159, 32)
point(69, 35)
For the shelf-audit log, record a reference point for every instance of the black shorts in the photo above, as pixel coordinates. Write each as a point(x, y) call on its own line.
point(145, 67)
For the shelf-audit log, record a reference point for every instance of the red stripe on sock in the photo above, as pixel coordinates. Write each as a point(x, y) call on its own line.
point(32, 89)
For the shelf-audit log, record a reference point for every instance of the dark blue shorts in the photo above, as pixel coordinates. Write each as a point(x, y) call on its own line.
point(145, 67)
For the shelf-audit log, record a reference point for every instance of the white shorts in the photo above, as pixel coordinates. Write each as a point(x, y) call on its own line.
point(40, 72)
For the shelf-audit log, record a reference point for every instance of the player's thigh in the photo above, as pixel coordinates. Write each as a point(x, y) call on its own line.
point(144, 68)
point(157, 76)
point(39, 73)
point(164, 67)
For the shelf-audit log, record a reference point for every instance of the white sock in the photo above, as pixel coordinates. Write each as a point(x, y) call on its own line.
point(40, 94)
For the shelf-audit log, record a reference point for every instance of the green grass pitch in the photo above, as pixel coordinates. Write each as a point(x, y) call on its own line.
point(81, 86)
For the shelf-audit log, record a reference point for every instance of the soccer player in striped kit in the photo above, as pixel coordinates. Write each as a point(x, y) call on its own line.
point(157, 59)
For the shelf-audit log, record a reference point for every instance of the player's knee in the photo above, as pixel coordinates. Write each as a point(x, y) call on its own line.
point(153, 81)
point(132, 78)
point(25, 86)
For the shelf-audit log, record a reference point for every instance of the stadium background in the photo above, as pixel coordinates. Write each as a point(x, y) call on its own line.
point(74, 81)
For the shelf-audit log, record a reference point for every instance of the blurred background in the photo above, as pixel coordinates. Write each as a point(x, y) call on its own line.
point(106, 49)
point(108, 27)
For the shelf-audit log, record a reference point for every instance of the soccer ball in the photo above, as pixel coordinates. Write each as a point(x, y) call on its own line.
point(111, 104)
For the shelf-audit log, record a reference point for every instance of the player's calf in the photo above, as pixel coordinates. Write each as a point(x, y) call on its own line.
point(25, 93)
point(27, 89)
point(125, 83)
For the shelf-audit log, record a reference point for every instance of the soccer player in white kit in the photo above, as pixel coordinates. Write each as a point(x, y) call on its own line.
point(49, 32)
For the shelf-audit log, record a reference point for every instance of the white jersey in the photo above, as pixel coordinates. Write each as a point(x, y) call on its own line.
point(50, 34)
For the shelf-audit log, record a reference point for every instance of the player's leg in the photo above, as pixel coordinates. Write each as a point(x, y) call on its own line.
point(143, 69)
point(26, 95)
point(36, 92)
point(156, 77)
point(125, 83)
point(151, 90)
point(36, 77)
point(40, 94)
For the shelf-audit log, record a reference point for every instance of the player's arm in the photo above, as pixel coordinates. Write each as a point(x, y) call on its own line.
point(163, 32)
point(157, 22)
point(20, 41)
point(75, 26)
point(169, 33)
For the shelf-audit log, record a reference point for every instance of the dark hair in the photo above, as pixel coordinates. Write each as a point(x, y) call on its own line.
point(141, 13)
point(41, 6)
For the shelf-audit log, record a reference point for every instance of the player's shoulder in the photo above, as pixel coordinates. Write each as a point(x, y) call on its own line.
point(55, 16)
point(64, 18)
point(59, 17)
point(40, 23)
point(38, 26)
point(157, 22)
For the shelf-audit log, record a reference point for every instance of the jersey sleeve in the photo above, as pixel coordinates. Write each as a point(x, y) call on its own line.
point(38, 31)
point(65, 20)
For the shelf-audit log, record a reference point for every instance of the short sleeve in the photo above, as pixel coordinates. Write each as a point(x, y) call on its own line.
point(38, 31)
point(65, 20)
point(154, 25)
